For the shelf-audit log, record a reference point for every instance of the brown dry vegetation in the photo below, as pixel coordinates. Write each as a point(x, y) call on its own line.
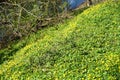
point(19, 18)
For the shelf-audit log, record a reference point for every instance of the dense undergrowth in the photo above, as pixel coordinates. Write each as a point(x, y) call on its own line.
point(19, 18)
point(85, 48)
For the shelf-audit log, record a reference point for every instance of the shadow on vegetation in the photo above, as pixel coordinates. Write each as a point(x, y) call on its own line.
point(77, 12)
point(114, 71)
point(6, 54)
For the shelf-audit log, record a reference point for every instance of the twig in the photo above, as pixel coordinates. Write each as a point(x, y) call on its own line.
point(21, 8)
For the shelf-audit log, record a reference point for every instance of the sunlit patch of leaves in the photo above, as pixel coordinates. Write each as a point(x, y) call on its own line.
point(85, 49)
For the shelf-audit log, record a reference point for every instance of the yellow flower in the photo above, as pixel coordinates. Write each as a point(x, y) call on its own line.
point(89, 76)
point(102, 62)
point(64, 75)
point(97, 69)
point(83, 79)
point(56, 78)
point(106, 66)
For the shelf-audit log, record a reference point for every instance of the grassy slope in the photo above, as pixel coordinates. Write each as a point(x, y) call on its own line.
point(86, 47)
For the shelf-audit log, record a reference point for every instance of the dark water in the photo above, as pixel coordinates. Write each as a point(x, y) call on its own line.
point(72, 4)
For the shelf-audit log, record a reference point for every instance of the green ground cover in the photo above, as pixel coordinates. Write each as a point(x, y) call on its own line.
point(84, 48)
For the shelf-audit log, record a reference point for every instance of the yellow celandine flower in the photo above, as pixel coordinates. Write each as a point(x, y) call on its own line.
point(83, 79)
point(102, 62)
point(28, 78)
point(54, 72)
point(64, 75)
point(0, 72)
point(98, 78)
point(106, 66)
point(97, 69)
point(89, 76)
point(56, 78)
